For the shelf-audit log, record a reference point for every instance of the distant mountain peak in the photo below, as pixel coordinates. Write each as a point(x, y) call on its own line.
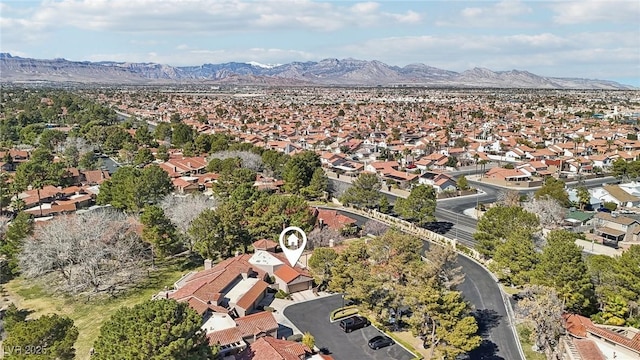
point(329, 71)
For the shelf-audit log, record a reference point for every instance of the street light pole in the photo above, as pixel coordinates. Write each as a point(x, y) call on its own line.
point(342, 300)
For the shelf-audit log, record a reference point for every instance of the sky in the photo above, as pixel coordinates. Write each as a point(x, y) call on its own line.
point(587, 39)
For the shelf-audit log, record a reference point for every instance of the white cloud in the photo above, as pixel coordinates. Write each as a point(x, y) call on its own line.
point(205, 16)
point(579, 55)
point(593, 11)
point(499, 14)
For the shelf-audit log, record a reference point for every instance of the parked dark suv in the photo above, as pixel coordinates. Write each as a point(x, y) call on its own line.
point(353, 323)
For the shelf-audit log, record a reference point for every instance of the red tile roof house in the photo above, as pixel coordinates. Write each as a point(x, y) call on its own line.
point(267, 348)
point(589, 341)
point(228, 293)
point(234, 284)
point(332, 219)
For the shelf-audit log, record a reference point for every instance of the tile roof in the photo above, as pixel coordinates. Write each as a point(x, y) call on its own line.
point(257, 323)
point(333, 219)
point(580, 326)
point(286, 273)
point(588, 349)
point(250, 297)
point(268, 348)
point(225, 337)
point(264, 244)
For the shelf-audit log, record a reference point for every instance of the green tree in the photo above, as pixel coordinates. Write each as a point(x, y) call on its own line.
point(584, 198)
point(498, 223)
point(163, 153)
point(462, 183)
point(555, 189)
point(269, 214)
point(143, 156)
point(181, 134)
point(230, 180)
point(384, 206)
point(619, 168)
point(365, 192)
point(10, 246)
point(88, 161)
point(71, 156)
point(318, 185)
point(159, 232)
point(143, 136)
point(48, 337)
point(274, 161)
point(218, 232)
point(419, 207)
point(515, 258)
point(561, 267)
point(321, 263)
point(132, 189)
point(51, 138)
point(13, 316)
point(153, 330)
point(162, 131)
point(299, 170)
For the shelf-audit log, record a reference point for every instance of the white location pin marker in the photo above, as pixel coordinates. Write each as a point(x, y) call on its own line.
point(294, 244)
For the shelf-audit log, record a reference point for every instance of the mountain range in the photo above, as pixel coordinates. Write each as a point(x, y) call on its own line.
point(327, 72)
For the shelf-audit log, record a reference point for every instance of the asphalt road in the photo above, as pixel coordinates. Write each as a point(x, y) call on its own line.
point(313, 316)
point(451, 220)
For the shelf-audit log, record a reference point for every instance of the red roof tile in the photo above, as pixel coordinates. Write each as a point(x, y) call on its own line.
point(268, 348)
point(252, 295)
point(257, 323)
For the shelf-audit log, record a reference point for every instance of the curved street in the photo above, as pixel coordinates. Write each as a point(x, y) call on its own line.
point(483, 292)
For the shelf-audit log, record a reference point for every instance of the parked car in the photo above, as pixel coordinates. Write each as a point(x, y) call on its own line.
point(353, 323)
point(380, 341)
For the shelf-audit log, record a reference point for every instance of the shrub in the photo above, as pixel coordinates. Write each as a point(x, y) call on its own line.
point(343, 312)
point(268, 309)
point(295, 337)
point(281, 294)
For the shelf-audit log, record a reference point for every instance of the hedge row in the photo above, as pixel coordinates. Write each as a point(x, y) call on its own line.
point(343, 312)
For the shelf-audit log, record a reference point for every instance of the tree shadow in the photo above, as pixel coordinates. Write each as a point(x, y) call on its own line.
point(439, 227)
point(487, 319)
point(284, 331)
point(486, 351)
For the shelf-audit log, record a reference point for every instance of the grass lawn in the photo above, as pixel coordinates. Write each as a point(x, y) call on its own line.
point(88, 315)
point(529, 354)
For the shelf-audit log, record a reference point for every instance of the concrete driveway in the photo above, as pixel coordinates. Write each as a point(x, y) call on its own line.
point(313, 316)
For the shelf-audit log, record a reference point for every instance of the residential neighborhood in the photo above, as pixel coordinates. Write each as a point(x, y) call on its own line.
point(200, 185)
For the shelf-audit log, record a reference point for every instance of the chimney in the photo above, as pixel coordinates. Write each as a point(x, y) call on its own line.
point(207, 264)
point(331, 243)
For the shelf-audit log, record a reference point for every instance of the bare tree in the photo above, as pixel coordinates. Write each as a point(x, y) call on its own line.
point(98, 250)
point(320, 237)
point(182, 210)
point(549, 211)
point(75, 142)
point(4, 225)
point(249, 160)
point(509, 198)
point(542, 307)
point(444, 262)
point(375, 228)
